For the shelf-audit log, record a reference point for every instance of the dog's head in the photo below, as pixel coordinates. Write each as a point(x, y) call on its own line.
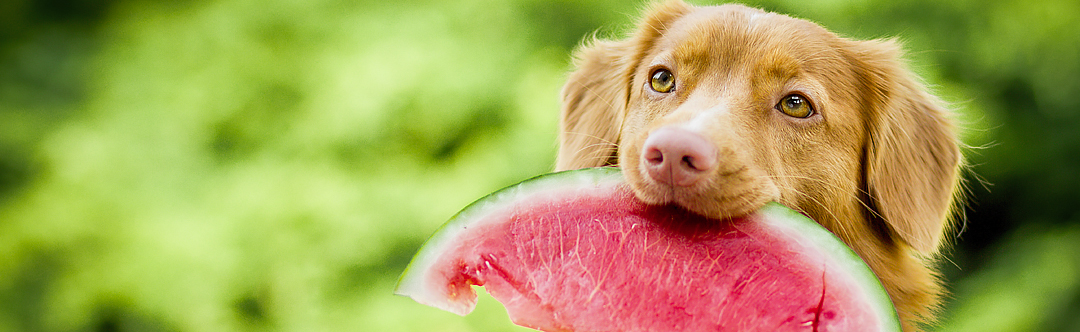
point(723, 109)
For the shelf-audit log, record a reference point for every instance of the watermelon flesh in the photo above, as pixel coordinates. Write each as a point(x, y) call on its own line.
point(576, 251)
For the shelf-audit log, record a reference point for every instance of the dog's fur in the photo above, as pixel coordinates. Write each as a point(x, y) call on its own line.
point(877, 164)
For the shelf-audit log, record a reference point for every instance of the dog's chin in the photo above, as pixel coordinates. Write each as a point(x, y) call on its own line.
point(717, 197)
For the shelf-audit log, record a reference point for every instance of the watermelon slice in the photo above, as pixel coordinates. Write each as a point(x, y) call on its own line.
point(576, 251)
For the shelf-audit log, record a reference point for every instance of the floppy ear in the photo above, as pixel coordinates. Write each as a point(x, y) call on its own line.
point(595, 97)
point(593, 104)
point(912, 156)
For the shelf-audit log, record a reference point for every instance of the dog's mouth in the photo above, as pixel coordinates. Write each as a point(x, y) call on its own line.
point(725, 196)
point(680, 167)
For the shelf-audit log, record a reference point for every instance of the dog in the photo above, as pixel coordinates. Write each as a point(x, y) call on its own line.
point(722, 109)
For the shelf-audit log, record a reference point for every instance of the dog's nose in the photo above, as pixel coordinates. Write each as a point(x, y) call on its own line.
point(678, 157)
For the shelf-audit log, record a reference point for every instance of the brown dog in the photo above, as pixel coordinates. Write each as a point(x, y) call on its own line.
point(722, 109)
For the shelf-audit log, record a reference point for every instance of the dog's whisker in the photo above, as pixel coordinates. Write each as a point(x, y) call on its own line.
point(605, 147)
point(598, 138)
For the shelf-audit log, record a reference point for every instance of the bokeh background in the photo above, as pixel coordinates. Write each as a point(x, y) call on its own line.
point(250, 165)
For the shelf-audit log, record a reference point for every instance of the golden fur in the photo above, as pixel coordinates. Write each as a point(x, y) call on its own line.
point(877, 165)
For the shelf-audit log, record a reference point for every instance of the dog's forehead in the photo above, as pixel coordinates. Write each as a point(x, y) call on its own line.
point(731, 31)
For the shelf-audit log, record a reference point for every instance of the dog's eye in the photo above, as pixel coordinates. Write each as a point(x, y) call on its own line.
point(795, 105)
point(662, 81)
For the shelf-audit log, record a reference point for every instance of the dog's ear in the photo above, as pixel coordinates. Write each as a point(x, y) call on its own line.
point(595, 97)
point(593, 104)
point(912, 154)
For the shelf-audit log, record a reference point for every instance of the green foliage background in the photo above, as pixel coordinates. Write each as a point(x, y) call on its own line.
point(243, 165)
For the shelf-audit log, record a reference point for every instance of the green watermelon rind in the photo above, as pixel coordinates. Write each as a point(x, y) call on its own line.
point(412, 283)
point(783, 217)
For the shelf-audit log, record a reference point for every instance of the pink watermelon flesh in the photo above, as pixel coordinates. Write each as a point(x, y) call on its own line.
point(576, 251)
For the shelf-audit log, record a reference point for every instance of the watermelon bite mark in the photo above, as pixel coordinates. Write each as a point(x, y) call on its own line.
point(575, 251)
